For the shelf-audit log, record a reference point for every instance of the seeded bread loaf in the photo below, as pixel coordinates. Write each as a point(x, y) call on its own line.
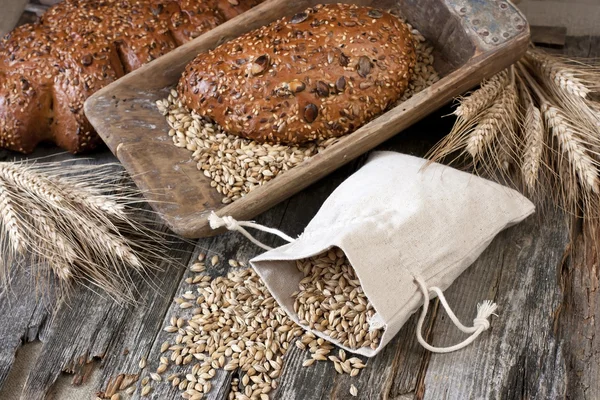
point(49, 68)
point(321, 73)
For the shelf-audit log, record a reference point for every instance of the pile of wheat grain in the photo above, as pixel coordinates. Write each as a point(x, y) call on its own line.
point(330, 299)
point(233, 323)
point(536, 126)
point(236, 165)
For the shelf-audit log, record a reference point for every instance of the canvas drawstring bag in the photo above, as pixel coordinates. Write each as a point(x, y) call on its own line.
point(408, 230)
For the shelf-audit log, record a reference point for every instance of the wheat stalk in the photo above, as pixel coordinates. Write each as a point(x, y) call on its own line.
point(112, 245)
point(534, 141)
point(11, 220)
point(533, 135)
point(483, 97)
point(59, 190)
point(562, 76)
point(553, 135)
point(571, 96)
point(14, 175)
point(61, 254)
point(479, 120)
point(65, 217)
point(566, 135)
point(500, 116)
point(98, 203)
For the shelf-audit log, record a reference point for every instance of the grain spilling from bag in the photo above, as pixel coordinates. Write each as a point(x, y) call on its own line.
point(237, 166)
point(331, 300)
point(236, 325)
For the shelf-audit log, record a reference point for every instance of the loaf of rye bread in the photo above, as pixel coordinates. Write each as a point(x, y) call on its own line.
point(322, 73)
point(49, 68)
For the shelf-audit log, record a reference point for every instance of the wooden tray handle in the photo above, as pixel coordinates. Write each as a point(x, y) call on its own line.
point(494, 22)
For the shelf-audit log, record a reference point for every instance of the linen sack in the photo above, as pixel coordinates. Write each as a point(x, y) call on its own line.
point(402, 225)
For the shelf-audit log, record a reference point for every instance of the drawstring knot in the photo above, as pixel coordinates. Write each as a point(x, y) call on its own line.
point(232, 224)
point(484, 311)
point(480, 323)
point(227, 221)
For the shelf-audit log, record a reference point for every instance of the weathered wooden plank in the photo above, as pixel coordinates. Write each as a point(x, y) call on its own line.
point(542, 345)
point(578, 279)
point(86, 325)
point(22, 316)
point(26, 305)
point(227, 246)
point(581, 46)
point(521, 355)
point(89, 326)
point(550, 36)
point(594, 52)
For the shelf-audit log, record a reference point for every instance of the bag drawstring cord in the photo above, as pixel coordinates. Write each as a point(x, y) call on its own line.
point(480, 323)
point(232, 224)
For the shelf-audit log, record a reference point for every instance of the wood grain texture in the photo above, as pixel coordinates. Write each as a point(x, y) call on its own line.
point(98, 328)
point(521, 355)
point(549, 36)
point(23, 317)
point(125, 115)
point(526, 351)
point(577, 320)
point(543, 345)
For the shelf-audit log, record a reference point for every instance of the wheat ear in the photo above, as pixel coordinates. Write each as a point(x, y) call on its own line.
point(500, 116)
point(533, 135)
point(534, 141)
point(76, 221)
point(11, 220)
point(566, 135)
point(562, 76)
point(58, 189)
point(110, 244)
point(483, 97)
point(100, 204)
point(62, 254)
point(27, 181)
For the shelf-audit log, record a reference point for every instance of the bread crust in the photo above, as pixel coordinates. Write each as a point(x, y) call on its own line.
point(49, 68)
point(319, 74)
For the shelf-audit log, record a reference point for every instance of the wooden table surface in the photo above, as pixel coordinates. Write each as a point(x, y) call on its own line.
point(543, 344)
